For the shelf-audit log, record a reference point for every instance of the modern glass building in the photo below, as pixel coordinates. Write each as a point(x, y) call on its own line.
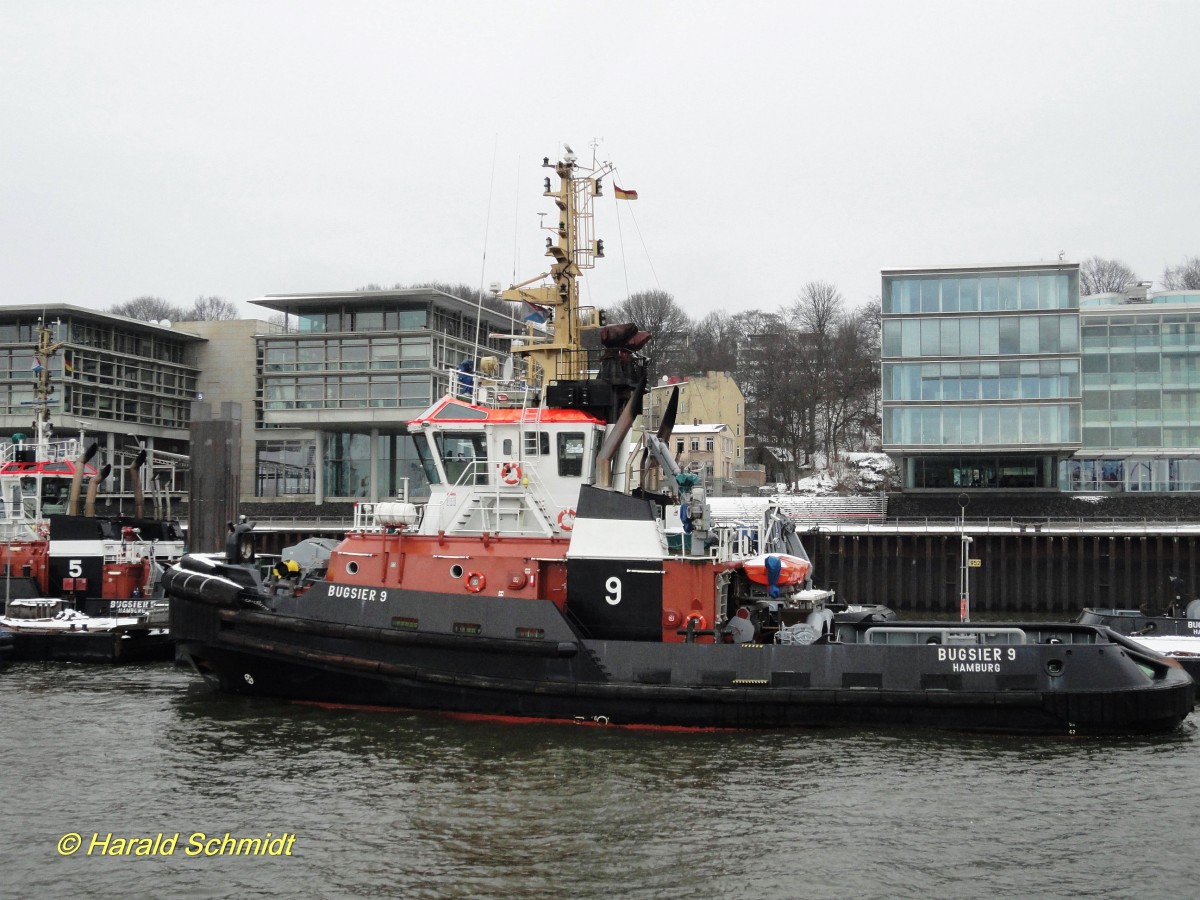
point(340, 379)
point(981, 375)
point(1141, 393)
point(120, 382)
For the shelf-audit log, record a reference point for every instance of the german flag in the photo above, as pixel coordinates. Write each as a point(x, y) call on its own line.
point(68, 365)
point(623, 194)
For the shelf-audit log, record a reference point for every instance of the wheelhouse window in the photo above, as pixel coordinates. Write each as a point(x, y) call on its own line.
point(537, 443)
point(428, 466)
point(464, 456)
point(570, 454)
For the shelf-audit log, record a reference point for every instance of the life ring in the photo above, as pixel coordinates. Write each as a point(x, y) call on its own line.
point(701, 622)
point(43, 530)
point(474, 582)
point(566, 519)
point(510, 473)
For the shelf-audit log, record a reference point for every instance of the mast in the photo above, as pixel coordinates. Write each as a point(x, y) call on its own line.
point(558, 352)
point(42, 389)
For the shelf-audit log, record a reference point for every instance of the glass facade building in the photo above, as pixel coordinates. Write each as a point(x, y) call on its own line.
point(121, 382)
point(338, 383)
point(1140, 356)
point(1004, 378)
point(981, 375)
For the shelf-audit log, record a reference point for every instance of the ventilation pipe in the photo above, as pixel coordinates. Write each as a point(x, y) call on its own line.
point(77, 478)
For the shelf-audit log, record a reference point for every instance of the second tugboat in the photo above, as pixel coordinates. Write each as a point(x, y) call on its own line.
point(1174, 632)
point(76, 587)
point(543, 579)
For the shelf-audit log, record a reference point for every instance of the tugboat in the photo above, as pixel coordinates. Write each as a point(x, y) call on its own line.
point(77, 587)
point(545, 579)
point(1173, 632)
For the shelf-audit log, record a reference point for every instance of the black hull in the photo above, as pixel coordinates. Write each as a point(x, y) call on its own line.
point(1131, 621)
point(127, 647)
point(1088, 685)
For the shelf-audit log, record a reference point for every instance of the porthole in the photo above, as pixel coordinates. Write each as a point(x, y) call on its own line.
point(1054, 667)
point(352, 568)
point(456, 571)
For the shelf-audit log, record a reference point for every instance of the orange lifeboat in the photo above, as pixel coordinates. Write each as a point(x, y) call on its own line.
point(792, 569)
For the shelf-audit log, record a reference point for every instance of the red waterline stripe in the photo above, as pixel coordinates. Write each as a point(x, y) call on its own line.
point(518, 720)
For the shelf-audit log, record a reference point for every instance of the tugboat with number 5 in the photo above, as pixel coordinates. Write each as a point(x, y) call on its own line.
point(77, 587)
point(565, 568)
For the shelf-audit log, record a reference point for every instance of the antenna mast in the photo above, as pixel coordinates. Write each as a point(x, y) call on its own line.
point(559, 354)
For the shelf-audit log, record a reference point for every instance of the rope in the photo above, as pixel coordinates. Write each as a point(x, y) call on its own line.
point(641, 239)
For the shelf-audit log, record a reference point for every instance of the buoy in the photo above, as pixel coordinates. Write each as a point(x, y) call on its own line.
point(566, 519)
point(510, 473)
point(474, 582)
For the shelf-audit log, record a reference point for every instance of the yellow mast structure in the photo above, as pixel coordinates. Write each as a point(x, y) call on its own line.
point(557, 352)
point(46, 348)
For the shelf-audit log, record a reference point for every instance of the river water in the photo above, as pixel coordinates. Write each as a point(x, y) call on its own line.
point(385, 804)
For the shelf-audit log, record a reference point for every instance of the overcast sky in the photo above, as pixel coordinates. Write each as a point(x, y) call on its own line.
point(180, 149)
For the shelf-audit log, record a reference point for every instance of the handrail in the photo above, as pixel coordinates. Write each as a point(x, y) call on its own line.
point(56, 451)
point(948, 634)
point(932, 524)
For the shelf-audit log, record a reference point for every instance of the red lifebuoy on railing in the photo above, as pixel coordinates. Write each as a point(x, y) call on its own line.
point(566, 519)
point(510, 473)
point(474, 582)
point(701, 622)
point(43, 529)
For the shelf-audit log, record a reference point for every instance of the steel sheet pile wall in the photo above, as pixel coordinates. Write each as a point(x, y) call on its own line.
point(1019, 572)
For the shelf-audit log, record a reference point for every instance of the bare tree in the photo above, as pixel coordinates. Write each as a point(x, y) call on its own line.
point(655, 311)
point(1183, 277)
point(1102, 276)
point(211, 309)
point(149, 309)
point(850, 405)
point(658, 313)
point(713, 346)
point(819, 307)
point(819, 319)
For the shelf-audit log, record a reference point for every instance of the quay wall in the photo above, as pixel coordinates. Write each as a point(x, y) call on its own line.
point(1041, 552)
point(1019, 572)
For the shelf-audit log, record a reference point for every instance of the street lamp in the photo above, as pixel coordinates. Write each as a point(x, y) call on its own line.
point(964, 571)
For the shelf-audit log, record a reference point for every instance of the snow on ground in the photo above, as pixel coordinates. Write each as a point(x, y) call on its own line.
point(851, 473)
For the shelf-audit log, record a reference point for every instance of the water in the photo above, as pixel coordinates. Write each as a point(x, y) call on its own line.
point(395, 804)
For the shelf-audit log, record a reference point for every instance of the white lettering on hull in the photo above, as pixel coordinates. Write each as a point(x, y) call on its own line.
point(347, 592)
point(976, 659)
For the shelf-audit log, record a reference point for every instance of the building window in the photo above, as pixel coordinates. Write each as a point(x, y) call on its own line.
point(708, 444)
point(284, 468)
point(347, 464)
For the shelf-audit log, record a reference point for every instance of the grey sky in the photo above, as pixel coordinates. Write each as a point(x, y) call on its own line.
point(236, 149)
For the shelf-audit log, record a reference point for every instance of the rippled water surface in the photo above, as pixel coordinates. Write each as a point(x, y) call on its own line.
point(394, 804)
